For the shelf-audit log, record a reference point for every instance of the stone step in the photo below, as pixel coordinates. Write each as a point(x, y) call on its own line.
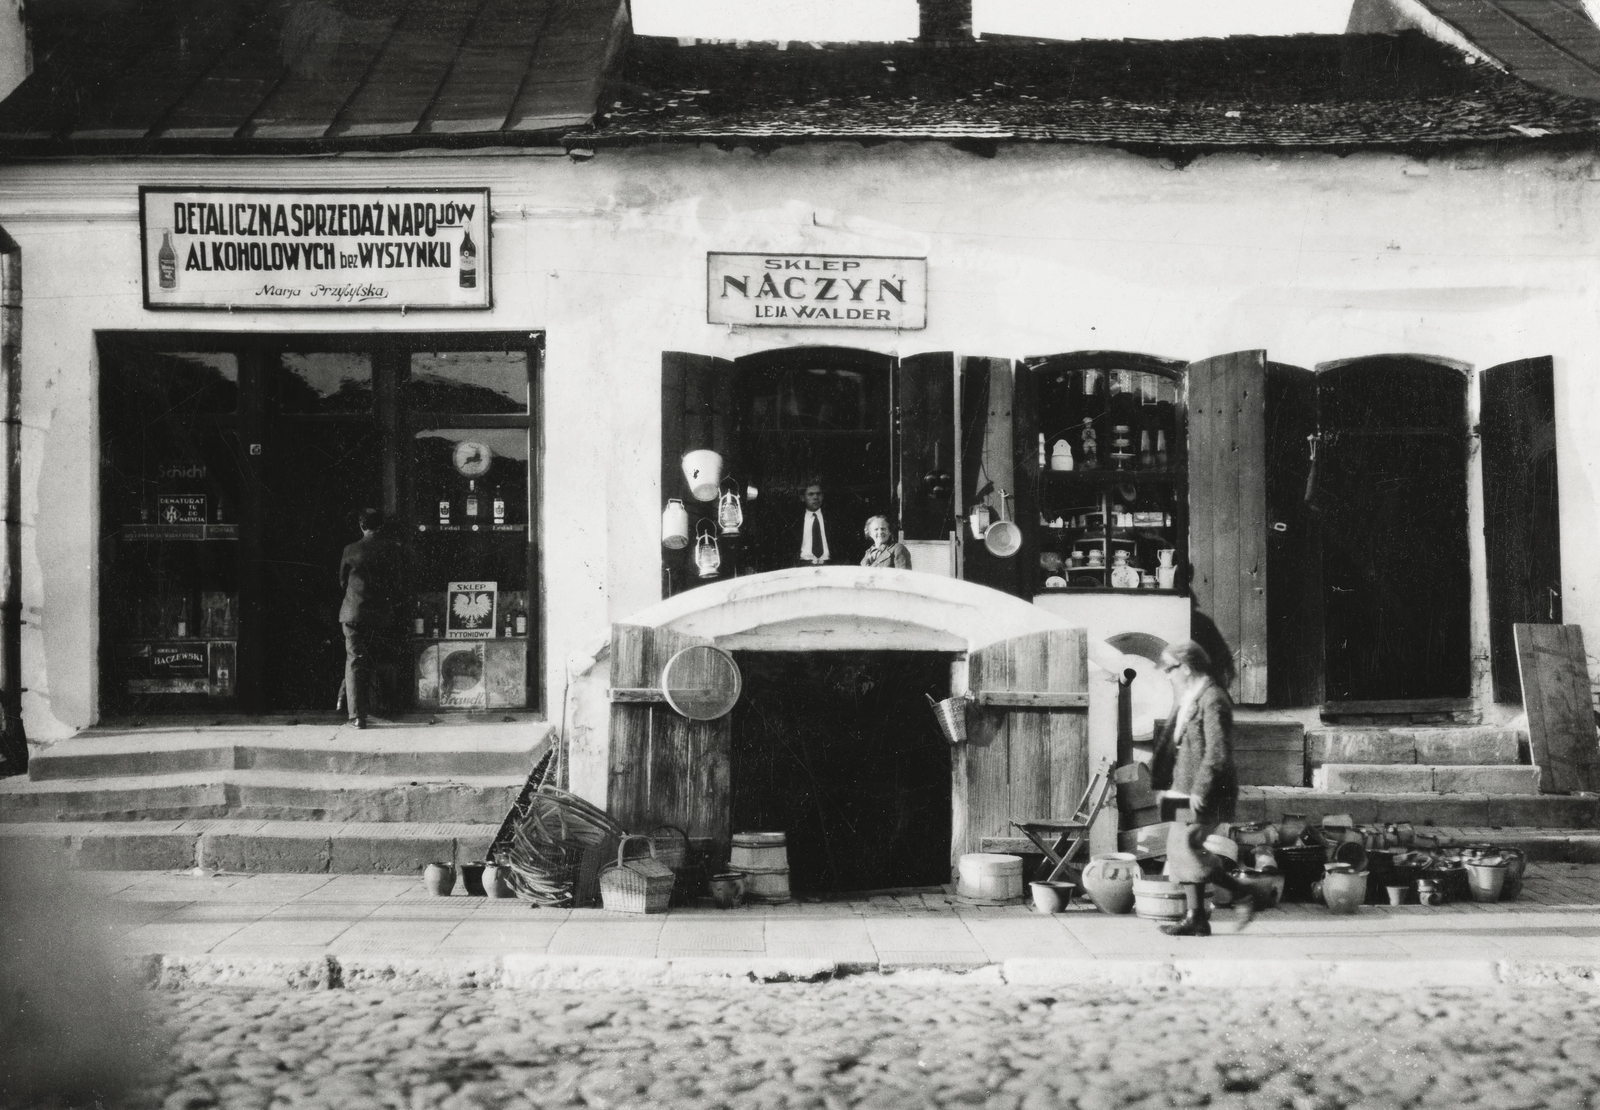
point(263, 795)
point(1543, 845)
point(1475, 745)
point(390, 749)
point(1552, 811)
point(1422, 778)
point(253, 846)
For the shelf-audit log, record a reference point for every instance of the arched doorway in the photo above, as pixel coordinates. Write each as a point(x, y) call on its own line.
point(1391, 493)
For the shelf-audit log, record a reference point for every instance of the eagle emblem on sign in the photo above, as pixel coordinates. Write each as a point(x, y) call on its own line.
point(473, 609)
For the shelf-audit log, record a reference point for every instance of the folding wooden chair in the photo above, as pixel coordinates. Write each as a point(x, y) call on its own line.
point(1071, 833)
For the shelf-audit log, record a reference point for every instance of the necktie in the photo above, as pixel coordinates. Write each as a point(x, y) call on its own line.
point(814, 530)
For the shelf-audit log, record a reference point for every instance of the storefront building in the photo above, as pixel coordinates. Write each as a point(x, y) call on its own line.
point(1289, 332)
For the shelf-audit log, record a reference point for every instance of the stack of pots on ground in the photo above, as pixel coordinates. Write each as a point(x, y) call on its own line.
point(762, 858)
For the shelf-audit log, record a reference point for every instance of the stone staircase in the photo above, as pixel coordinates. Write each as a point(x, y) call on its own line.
point(273, 797)
point(1474, 776)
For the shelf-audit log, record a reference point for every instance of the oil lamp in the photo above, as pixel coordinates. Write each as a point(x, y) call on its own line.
point(729, 515)
point(706, 555)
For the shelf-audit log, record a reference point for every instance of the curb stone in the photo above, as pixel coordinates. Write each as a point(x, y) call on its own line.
point(538, 971)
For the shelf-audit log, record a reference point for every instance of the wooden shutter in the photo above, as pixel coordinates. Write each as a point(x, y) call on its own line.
point(1294, 541)
point(664, 768)
point(1228, 508)
point(699, 410)
point(1521, 511)
point(924, 402)
point(986, 459)
point(1021, 763)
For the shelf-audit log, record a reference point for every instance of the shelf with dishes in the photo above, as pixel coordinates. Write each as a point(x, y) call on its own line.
point(1122, 540)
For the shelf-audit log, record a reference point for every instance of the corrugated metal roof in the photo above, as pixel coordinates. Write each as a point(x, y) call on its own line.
point(1330, 91)
point(1549, 43)
point(165, 74)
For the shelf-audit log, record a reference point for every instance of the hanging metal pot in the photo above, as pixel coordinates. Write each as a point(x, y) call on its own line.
point(707, 557)
point(730, 516)
point(703, 471)
point(1003, 538)
point(675, 526)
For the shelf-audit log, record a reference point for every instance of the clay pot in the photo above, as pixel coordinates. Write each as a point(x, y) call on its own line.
point(495, 884)
point(1344, 891)
point(439, 878)
point(727, 889)
point(1398, 895)
point(1050, 897)
point(472, 879)
point(1486, 880)
point(1291, 828)
point(1428, 893)
point(1108, 881)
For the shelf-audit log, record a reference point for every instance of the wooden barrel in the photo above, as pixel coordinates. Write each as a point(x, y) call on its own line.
point(758, 850)
point(1158, 900)
point(990, 877)
point(763, 859)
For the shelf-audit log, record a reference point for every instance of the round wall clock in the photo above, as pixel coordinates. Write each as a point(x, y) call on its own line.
point(472, 458)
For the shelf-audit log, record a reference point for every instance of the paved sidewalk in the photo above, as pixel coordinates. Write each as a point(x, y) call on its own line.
point(332, 930)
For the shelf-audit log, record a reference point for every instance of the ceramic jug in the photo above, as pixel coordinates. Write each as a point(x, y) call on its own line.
point(1108, 881)
point(1166, 555)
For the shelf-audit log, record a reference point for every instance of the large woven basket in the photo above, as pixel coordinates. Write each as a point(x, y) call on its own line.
point(557, 843)
point(636, 885)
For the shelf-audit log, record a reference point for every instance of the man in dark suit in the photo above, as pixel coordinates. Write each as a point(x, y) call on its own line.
point(369, 574)
point(814, 537)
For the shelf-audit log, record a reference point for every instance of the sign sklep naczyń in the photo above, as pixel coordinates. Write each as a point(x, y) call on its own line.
point(315, 249)
point(816, 291)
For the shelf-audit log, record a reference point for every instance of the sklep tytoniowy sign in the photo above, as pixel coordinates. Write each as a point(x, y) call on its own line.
point(315, 249)
point(816, 290)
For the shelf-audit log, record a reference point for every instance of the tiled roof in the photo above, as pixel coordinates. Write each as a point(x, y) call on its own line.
point(1549, 43)
point(1317, 91)
point(159, 75)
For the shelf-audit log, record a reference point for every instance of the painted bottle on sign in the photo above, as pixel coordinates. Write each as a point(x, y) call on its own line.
point(469, 262)
point(472, 499)
point(167, 261)
point(499, 507)
point(444, 510)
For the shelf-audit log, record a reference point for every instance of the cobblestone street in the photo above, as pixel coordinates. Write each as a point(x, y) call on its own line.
point(920, 1039)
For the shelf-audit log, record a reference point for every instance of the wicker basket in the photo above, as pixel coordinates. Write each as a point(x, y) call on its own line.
point(636, 885)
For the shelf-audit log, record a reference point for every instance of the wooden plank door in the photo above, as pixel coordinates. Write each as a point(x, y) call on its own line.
point(1228, 509)
point(1025, 757)
point(1561, 720)
point(925, 428)
point(664, 768)
point(1294, 541)
point(1392, 495)
point(1521, 508)
point(699, 410)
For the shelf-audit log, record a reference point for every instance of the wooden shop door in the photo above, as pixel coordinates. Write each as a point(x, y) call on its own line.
point(1391, 492)
point(1027, 752)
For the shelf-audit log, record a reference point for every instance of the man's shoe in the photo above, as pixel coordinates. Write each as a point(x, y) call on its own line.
point(361, 722)
point(1258, 897)
point(1192, 925)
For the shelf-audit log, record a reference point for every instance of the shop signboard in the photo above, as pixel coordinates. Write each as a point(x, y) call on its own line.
point(309, 249)
point(816, 290)
point(469, 611)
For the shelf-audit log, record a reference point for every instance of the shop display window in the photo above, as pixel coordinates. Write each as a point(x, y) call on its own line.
point(1110, 463)
point(233, 469)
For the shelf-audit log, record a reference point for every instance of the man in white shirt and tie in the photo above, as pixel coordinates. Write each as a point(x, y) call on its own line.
point(814, 549)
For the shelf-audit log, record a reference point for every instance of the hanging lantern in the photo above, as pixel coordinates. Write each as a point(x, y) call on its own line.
point(729, 515)
point(979, 520)
point(703, 471)
point(675, 526)
point(706, 555)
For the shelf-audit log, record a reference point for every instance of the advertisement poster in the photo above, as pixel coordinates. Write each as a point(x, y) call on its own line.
point(307, 249)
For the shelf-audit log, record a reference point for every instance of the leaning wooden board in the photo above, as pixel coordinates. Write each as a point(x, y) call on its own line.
point(1555, 690)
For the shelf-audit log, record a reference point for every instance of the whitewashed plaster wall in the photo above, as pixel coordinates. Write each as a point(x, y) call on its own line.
point(1040, 249)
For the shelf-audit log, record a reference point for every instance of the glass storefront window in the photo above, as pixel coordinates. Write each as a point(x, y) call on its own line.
point(468, 381)
point(325, 382)
point(232, 479)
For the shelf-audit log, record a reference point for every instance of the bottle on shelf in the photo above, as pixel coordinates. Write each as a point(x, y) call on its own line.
point(184, 622)
point(444, 510)
point(419, 619)
point(1147, 457)
point(522, 622)
point(472, 501)
point(499, 505)
point(509, 624)
point(1161, 449)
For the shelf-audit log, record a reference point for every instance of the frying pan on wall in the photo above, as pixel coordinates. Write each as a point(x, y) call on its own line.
point(1003, 538)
